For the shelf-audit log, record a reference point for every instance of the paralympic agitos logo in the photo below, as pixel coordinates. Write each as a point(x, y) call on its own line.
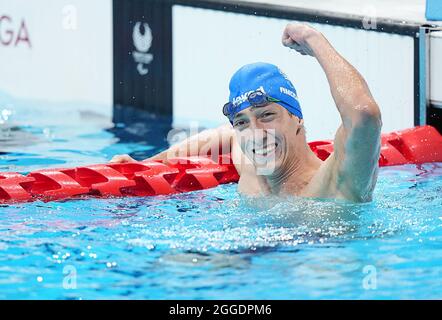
point(142, 43)
point(13, 33)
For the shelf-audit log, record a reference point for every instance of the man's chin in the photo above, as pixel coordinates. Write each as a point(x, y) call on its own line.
point(266, 168)
point(267, 164)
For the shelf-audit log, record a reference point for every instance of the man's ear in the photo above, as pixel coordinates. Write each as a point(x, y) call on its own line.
point(301, 125)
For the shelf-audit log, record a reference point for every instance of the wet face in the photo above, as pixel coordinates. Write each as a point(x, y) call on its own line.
point(267, 136)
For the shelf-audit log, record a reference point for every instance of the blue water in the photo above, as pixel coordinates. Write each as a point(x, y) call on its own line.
point(211, 244)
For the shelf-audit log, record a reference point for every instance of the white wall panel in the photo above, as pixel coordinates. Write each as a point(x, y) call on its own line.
point(70, 58)
point(209, 46)
point(436, 68)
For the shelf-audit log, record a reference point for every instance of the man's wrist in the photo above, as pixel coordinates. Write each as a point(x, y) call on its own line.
point(315, 40)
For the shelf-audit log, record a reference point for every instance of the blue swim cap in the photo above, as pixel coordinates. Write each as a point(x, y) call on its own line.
point(265, 77)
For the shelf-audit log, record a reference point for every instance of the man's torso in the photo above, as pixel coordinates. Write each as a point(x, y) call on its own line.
point(323, 184)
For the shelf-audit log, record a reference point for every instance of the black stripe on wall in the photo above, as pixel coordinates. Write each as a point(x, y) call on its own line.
point(143, 64)
point(416, 81)
point(434, 118)
point(301, 14)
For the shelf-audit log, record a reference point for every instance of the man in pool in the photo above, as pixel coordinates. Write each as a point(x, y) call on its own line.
point(267, 138)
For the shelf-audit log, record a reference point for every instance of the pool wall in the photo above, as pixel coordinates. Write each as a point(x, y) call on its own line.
point(57, 51)
point(232, 39)
point(176, 57)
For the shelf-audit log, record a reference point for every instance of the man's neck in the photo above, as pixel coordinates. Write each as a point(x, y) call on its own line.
point(295, 172)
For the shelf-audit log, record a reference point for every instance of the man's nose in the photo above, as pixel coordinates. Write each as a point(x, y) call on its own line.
point(259, 137)
point(256, 125)
point(255, 129)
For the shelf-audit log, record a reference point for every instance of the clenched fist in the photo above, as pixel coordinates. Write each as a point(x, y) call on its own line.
point(296, 36)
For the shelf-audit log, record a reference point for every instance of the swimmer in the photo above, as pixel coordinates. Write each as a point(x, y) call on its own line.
point(266, 135)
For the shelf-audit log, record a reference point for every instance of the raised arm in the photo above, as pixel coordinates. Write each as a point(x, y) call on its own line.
point(357, 141)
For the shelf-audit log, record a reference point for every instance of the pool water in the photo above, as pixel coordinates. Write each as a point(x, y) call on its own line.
point(210, 244)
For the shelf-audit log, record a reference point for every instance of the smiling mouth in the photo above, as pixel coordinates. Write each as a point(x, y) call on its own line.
point(263, 152)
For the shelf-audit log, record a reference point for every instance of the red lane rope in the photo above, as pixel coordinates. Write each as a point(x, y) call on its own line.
point(149, 178)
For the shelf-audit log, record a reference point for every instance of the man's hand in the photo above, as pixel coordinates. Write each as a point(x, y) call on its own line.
point(295, 36)
point(122, 158)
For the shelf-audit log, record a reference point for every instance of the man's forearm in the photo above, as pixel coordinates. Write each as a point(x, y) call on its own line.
point(349, 89)
point(210, 141)
point(188, 147)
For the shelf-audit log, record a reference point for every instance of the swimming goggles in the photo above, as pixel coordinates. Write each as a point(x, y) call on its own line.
point(256, 99)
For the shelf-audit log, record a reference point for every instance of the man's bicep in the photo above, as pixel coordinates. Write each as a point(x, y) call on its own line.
point(356, 152)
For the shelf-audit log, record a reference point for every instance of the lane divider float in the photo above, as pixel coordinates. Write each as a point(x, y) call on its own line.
point(149, 178)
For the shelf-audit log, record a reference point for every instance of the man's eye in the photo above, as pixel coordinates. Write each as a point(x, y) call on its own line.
point(239, 123)
point(267, 114)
